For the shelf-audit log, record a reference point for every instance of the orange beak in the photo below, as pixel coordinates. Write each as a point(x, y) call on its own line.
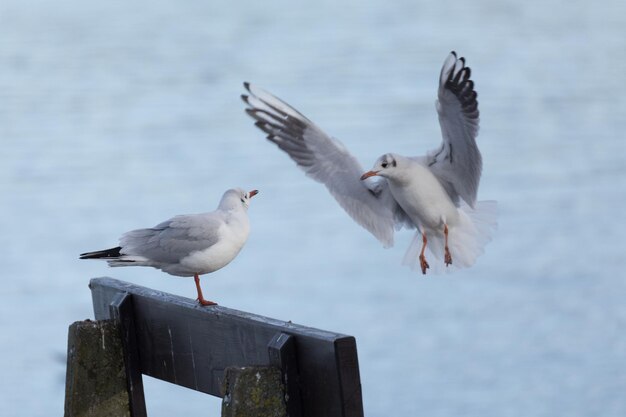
point(368, 174)
point(253, 193)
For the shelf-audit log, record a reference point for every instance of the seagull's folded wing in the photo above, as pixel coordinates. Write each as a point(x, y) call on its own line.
point(174, 239)
point(326, 160)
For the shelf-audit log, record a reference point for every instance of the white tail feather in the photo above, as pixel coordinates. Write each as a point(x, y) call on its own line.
point(130, 260)
point(466, 240)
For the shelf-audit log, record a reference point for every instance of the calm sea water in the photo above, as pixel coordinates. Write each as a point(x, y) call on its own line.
point(117, 115)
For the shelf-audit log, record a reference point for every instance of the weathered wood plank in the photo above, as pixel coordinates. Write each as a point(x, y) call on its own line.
point(95, 384)
point(183, 343)
point(253, 391)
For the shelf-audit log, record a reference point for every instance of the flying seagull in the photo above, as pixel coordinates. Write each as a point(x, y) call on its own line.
point(434, 193)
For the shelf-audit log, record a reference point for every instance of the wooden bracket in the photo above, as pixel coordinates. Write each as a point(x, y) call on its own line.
point(282, 353)
point(121, 311)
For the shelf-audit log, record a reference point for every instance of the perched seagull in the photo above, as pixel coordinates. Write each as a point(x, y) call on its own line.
point(187, 245)
point(434, 193)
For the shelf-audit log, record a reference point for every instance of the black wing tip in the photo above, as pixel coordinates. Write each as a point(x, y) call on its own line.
point(462, 86)
point(246, 85)
point(106, 253)
point(265, 128)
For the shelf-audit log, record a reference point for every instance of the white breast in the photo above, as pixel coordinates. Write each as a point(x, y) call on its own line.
point(233, 235)
point(423, 198)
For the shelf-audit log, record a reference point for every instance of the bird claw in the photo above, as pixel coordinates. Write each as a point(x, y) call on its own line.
point(423, 264)
point(448, 257)
point(205, 303)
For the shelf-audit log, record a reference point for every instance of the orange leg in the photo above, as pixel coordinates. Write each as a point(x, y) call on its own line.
point(201, 299)
point(423, 264)
point(447, 256)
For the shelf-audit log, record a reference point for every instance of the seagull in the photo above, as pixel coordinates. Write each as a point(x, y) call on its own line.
point(433, 193)
point(187, 245)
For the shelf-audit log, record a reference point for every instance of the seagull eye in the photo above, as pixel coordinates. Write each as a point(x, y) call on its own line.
point(384, 165)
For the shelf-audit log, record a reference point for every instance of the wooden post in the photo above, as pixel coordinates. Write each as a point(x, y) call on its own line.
point(95, 383)
point(254, 391)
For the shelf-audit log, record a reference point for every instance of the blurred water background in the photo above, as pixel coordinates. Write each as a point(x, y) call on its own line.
point(116, 115)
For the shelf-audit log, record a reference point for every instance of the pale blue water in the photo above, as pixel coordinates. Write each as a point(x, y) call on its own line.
point(117, 115)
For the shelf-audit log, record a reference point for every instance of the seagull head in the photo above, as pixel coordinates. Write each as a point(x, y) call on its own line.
point(236, 197)
point(385, 166)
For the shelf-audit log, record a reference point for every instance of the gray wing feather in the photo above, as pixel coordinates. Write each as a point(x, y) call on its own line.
point(457, 162)
point(326, 160)
point(172, 240)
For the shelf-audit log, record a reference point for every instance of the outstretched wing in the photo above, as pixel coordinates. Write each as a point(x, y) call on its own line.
point(326, 160)
point(457, 162)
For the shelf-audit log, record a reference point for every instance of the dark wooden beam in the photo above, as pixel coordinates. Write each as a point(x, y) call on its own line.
point(121, 312)
point(181, 342)
point(282, 355)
